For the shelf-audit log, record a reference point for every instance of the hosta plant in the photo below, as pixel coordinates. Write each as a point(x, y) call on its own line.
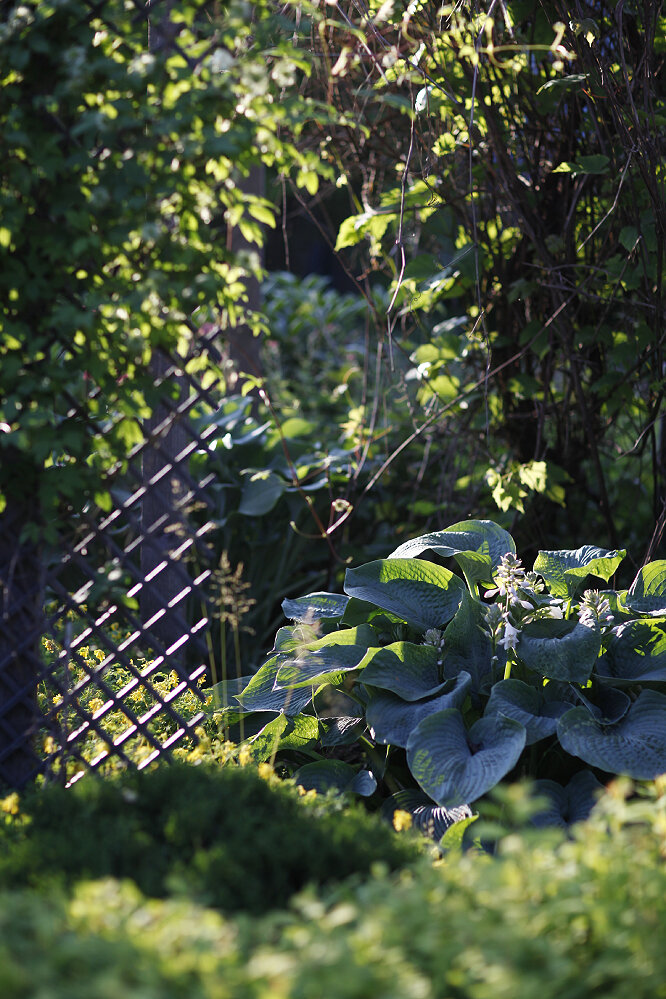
point(449, 666)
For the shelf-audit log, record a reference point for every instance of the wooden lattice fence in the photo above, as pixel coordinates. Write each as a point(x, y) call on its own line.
point(103, 649)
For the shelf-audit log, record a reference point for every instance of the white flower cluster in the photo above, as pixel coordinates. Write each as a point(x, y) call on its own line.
point(594, 609)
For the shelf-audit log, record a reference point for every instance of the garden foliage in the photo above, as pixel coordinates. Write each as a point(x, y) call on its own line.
point(448, 681)
point(550, 916)
point(123, 166)
point(221, 836)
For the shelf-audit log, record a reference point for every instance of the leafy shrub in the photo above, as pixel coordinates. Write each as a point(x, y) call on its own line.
point(552, 917)
point(444, 690)
point(224, 837)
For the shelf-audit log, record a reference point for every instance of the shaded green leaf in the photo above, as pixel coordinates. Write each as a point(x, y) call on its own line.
point(392, 720)
point(566, 805)
point(261, 694)
point(422, 594)
point(568, 652)
point(315, 606)
point(565, 571)
point(455, 766)
point(527, 705)
point(408, 670)
point(467, 645)
point(634, 746)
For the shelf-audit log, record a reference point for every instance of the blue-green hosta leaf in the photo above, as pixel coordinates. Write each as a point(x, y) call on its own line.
point(283, 732)
point(529, 706)
point(315, 606)
point(606, 704)
point(321, 659)
point(224, 693)
point(327, 775)
point(455, 766)
point(477, 546)
point(293, 636)
point(568, 653)
point(362, 612)
point(392, 720)
point(569, 804)
point(565, 571)
point(635, 746)
point(420, 593)
point(261, 492)
point(408, 670)
point(264, 744)
point(636, 653)
point(262, 695)
point(647, 593)
point(342, 731)
point(467, 645)
point(431, 820)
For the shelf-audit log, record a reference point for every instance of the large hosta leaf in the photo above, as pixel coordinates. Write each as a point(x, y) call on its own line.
point(392, 720)
point(431, 820)
point(455, 766)
point(477, 546)
point(327, 775)
point(636, 653)
point(635, 746)
point(467, 645)
point(325, 659)
point(262, 695)
point(560, 650)
point(569, 804)
point(529, 706)
point(565, 571)
point(606, 704)
point(647, 593)
point(408, 670)
point(283, 732)
point(315, 606)
point(420, 593)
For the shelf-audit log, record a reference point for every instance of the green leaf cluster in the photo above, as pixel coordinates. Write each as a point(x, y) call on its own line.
point(122, 169)
point(549, 916)
point(452, 681)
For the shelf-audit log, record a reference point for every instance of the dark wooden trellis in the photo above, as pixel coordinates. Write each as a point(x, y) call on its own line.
point(103, 651)
point(90, 628)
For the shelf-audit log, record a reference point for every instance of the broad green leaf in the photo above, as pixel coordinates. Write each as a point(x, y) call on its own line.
point(327, 775)
point(455, 766)
point(408, 670)
point(528, 706)
point(355, 228)
point(342, 731)
point(467, 645)
point(262, 695)
point(647, 593)
point(565, 571)
point(568, 652)
point(572, 82)
point(606, 704)
point(265, 743)
point(636, 653)
point(420, 593)
point(629, 237)
point(320, 661)
point(634, 746)
point(315, 606)
point(261, 492)
point(452, 840)
point(477, 546)
point(585, 165)
point(431, 820)
point(392, 720)
point(566, 805)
